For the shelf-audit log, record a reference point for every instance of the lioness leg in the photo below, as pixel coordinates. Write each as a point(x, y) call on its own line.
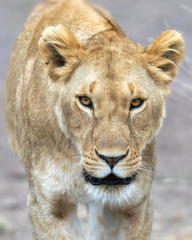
point(133, 223)
point(95, 229)
point(103, 224)
point(53, 220)
point(120, 224)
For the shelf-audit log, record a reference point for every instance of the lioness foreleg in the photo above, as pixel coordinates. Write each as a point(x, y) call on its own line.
point(53, 220)
point(128, 224)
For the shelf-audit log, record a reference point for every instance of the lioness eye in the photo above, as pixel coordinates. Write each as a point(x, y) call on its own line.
point(85, 101)
point(137, 102)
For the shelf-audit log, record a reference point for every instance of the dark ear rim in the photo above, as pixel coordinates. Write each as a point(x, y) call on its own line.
point(60, 50)
point(165, 52)
point(58, 41)
point(59, 60)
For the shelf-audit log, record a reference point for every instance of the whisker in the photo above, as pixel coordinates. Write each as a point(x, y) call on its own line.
point(131, 203)
point(74, 172)
point(77, 155)
point(146, 168)
point(150, 174)
point(148, 157)
point(147, 165)
point(144, 175)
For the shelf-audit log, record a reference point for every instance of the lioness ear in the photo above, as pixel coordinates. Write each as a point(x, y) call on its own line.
point(164, 54)
point(60, 50)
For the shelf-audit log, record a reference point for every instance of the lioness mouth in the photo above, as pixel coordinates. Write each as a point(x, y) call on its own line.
point(111, 179)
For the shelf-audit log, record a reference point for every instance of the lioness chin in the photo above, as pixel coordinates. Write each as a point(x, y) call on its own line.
point(82, 106)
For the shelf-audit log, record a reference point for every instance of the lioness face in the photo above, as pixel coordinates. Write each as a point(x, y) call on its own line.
point(111, 114)
point(111, 104)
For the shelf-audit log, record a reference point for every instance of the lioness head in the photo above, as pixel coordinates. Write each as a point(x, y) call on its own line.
point(110, 98)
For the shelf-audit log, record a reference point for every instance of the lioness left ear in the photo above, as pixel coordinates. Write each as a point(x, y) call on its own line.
point(164, 54)
point(59, 48)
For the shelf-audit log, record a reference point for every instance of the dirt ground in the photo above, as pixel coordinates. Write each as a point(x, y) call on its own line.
point(172, 189)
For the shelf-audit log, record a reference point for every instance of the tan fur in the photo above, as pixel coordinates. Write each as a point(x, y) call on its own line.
point(69, 49)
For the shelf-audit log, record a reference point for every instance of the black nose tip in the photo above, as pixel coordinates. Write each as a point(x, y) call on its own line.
point(110, 160)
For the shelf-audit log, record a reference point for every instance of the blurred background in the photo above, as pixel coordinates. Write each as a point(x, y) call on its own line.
point(142, 21)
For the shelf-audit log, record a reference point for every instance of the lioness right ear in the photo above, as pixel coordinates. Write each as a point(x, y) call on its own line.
point(164, 55)
point(60, 50)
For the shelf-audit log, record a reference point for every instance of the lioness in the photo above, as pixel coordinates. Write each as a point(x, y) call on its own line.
point(82, 105)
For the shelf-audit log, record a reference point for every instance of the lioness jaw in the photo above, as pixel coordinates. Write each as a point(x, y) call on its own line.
point(82, 106)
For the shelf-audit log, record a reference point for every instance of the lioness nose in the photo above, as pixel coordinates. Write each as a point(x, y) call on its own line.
point(112, 161)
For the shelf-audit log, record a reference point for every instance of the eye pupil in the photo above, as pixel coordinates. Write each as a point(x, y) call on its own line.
point(85, 100)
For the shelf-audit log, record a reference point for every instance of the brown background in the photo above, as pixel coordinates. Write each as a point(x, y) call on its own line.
point(172, 189)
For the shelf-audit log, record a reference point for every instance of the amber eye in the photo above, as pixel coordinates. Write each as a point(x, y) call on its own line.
point(137, 102)
point(85, 101)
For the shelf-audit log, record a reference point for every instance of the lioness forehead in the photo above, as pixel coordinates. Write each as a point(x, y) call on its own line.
point(119, 85)
point(112, 63)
